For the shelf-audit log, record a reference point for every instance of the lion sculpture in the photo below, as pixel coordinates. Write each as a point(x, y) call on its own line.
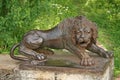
point(74, 34)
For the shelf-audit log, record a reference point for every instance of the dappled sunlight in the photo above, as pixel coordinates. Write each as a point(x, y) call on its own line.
point(45, 23)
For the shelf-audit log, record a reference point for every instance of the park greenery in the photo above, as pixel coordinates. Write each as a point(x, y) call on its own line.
point(19, 16)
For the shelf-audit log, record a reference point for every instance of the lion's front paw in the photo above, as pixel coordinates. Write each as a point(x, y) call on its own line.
point(111, 54)
point(41, 57)
point(108, 54)
point(87, 62)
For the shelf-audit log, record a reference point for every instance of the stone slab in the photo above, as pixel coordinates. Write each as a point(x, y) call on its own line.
point(71, 70)
point(58, 67)
point(7, 67)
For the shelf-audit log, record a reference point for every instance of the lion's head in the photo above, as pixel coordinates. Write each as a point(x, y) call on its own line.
point(86, 31)
point(82, 31)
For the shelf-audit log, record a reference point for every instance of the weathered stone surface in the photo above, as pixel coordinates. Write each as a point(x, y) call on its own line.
point(7, 66)
point(65, 68)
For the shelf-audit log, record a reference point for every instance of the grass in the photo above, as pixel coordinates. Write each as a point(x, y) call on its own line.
point(109, 37)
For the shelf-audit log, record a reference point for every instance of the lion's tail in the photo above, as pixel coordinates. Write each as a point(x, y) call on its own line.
point(12, 53)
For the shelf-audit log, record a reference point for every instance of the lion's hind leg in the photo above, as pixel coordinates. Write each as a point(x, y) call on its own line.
point(31, 54)
point(45, 51)
point(31, 42)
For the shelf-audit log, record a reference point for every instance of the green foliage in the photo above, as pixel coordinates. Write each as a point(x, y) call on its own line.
point(19, 16)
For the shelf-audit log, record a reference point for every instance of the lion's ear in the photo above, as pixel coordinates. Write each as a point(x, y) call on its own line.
point(80, 17)
point(94, 33)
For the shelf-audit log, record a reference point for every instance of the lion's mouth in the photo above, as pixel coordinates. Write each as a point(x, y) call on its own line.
point(83, 43)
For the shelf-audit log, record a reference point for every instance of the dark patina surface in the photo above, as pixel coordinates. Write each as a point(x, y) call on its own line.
point(74, 34)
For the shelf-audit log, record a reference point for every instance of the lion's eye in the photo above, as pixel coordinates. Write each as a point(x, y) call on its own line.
point(78, 31)
point(88, 31)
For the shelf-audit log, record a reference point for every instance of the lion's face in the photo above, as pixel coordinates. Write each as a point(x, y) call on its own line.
point(85, 31)
point(83, 36)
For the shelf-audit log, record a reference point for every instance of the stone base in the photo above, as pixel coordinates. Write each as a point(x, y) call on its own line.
point(58, 67)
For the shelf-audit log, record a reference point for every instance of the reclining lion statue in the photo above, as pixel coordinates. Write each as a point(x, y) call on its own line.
point(74, 34)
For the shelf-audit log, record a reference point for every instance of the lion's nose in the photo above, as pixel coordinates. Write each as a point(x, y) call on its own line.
point(83, 35)
point(81, 40)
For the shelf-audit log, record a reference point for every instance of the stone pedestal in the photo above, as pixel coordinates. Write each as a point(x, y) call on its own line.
point(58, 67)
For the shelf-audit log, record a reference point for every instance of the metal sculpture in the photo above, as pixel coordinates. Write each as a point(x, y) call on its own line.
point(74, 34)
